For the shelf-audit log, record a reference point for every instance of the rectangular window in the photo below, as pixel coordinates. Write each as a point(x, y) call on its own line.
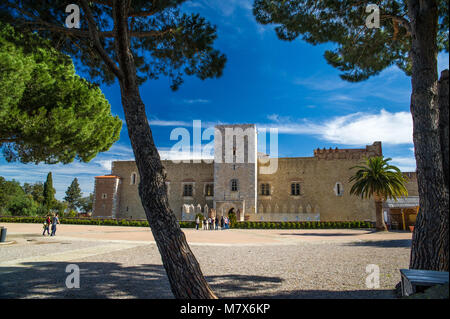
point(209, 190)
point(187, 191)
point(234, 185)
point(295, 189)
point(265, 189)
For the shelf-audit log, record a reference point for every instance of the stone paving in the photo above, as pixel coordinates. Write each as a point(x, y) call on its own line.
point(124, 262)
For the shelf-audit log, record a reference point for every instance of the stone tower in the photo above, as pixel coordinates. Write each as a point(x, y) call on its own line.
point(235, 169)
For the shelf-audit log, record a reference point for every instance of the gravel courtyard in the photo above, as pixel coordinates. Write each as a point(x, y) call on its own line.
point(236, 263)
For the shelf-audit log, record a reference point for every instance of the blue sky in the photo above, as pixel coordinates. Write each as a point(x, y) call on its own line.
point(287, 85)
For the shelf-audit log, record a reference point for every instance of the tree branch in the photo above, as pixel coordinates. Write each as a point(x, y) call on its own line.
point(142, 14)
point(94, 35)
point(400, 20)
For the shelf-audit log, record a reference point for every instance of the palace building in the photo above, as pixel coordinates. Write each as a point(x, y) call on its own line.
point(253, 185)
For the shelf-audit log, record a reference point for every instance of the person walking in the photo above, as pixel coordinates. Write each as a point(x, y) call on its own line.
point(47, 223)
point(197, 222)
point(221, 223)
point(216, 223)
point(204, 223)
point(55, 221)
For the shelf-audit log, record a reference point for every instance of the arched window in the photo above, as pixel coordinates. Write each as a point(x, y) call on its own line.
point(133, 178)
point(234, 185)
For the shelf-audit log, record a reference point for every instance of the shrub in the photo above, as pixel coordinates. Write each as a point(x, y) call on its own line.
point(232, 217)
point(22, 206)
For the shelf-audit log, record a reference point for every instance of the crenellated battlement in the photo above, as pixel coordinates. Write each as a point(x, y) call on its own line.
point(353, 153)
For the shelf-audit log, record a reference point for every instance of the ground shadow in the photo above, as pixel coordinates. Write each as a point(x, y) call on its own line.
point(97, 280)
point(393, 243)
point(327, 234)
point(113, 280)
point(328, 294)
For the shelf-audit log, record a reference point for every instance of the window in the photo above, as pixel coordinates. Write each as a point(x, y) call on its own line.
point(209, 190)
point(187, 190)
point(265, 189)
point(133, 179)
point(295, 189)
point(338, 189)
point(104, 196)
point(234, 185)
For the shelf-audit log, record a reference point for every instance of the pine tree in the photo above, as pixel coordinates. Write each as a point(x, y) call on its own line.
point(410, 35)
point(49, 193)
point(132, 41)
point(73, 195)
point(47, 112)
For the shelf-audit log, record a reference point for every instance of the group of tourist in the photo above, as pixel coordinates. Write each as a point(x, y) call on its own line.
point(213, 223)
point(53, 221)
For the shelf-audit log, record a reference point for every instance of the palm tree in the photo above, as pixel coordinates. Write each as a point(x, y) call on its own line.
point(382, 181)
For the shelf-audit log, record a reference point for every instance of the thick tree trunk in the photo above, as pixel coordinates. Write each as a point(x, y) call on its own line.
point(185, 276)
point(444, 122)
point(380, 224)
point(430, 238)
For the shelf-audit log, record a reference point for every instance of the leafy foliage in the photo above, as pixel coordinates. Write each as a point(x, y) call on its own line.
point(360, 52)
point(166, 42)
point(379, 179)
point(73, 194)
point(8, 190)
point(85, 203)
point(47, 112)
point(36, 190)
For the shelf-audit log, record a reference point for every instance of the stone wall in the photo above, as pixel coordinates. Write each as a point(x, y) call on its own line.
point(318, 177)
point(197, 174)
point(240, 165)
point(106, 197)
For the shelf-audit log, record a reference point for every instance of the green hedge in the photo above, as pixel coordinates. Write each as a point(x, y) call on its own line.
point(185, 224)
point(303, 225)
point(89, 221)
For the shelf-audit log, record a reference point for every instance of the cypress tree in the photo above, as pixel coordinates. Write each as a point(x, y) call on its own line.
point(49, 192)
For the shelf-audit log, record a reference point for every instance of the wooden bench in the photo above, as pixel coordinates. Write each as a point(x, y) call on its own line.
point(414, 280)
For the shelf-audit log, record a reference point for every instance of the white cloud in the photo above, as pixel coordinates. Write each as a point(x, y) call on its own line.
point(405, 164)
point(353, 129)
point(197, 101)
point(384, 86)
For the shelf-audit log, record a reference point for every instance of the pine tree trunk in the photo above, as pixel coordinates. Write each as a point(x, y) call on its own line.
point(430, 238)
point(183, 270)
point(185, 276)
point(443, 88)
point(380, 224)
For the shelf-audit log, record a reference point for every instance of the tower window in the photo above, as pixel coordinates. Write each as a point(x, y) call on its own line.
point(295, 189)
point(188, 190)
point(104, 196)
point(265, 189)
point(234, 185)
